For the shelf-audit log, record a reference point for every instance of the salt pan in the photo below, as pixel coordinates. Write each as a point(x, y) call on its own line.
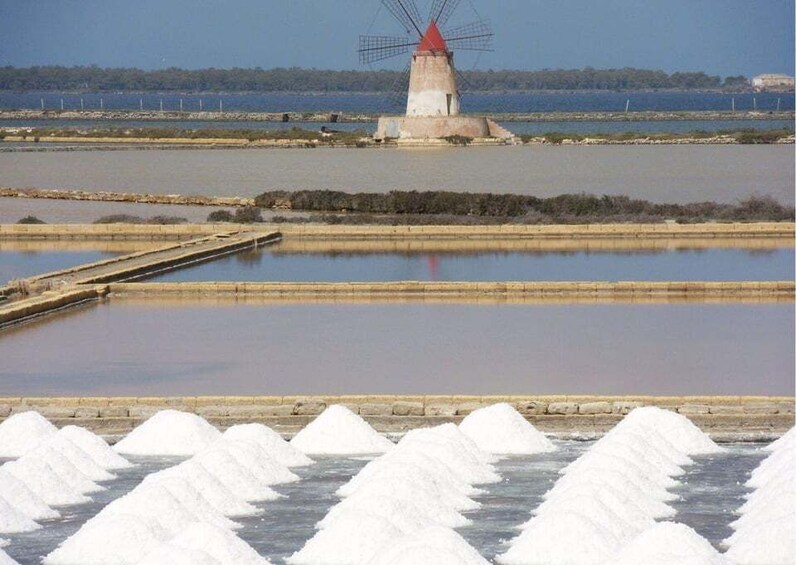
point(668, 543)
point(95, 447)
point(169, 433)
point(500, 429)
point(338, 431)
point(271, 441)
point(23, 499)
point(21, 431)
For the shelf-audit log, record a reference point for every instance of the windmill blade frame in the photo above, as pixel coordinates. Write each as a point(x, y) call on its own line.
point(475, 36)
point(407, 14)
point(398, 92)
point(442, 10)
point(373, 48)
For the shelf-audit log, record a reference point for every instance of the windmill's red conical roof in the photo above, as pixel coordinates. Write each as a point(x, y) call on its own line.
point(432, 40)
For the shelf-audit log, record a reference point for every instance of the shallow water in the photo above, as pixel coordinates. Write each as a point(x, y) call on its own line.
point(22, 264)
point(218, 347)
point(656, 173)
point(681, 264)
point(710, 492)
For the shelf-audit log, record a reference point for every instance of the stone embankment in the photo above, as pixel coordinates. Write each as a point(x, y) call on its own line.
point(725, 418)
point(137, 198)
point(327, 117)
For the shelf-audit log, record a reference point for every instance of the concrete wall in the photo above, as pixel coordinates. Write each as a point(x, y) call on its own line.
point(731, 417)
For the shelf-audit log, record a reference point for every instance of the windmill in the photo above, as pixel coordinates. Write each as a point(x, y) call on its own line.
point(433, 101)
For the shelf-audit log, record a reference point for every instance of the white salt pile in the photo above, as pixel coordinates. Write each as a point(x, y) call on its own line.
point(271, 442)
point(16, 493)
point(437, 545)
point(95, 447)
point(500, 429)
point(220, 544)
point(611, 494)
point(764, 533)
point(54, 485)
point(5, 559)
point(12, 521)
point(338, 431)
point(61, 448)
point(169, 433)
point(254, 458)
point(414, 494)
point(668, 543)
point(21, 431)
point(168, 554)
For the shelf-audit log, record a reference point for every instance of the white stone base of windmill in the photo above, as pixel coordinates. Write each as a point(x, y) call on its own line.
point(424, 128)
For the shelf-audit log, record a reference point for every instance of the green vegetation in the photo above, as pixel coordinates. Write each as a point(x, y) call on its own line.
point(458, 208)
point(459, 140)
point(129, 219)
point(313, 80)
point(31, 220)
point(244, 215)
point(745, 136)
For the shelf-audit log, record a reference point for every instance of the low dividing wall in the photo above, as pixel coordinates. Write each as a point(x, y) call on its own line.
point(725, 418)
point(46, 303)
point(782, 290)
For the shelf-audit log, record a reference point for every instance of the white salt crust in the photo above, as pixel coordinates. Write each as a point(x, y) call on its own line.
point(12, 521)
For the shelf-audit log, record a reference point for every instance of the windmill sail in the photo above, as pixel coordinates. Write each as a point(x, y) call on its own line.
point(373, 48)
point(407, 14)
point(475, 36)
point(442, 10)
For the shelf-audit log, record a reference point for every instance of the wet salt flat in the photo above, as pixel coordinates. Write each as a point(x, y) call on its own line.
point(153, 348)
point(680, 264)
point(711, 492)
point(22, 264)
point(656, 173)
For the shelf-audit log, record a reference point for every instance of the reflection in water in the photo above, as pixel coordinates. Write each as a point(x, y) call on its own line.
point(682, 264)
point(150, 348)
point(26, 263)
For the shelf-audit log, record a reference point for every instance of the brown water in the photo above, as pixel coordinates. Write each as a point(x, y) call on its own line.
point(227, 348)
point(657, 173)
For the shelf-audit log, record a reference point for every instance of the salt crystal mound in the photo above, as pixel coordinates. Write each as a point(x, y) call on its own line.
point(223, 466)
point(631, 460)
point(501, 430)
point(63, 467)
point(222, 545)
point(668, 543)
point(255, 459)
point(12, 521)
point(168, 554)
point(21, 431)
point(45, 482)
point(437, 545)
point(95, 447)
point(4, 542)
point(154, 504)
point(771, 466)
point(353, 540)
point(764, 543)
point(5, 559)
point(169, 433)
point(676, 428)
point(566, 538)
point(213, 491)
point(190, 498)
point(23, 499)
point(271, 441)
point(788, 439)
point(57, 443)
point(631, 511)
point(117, 539)
point(338, 431)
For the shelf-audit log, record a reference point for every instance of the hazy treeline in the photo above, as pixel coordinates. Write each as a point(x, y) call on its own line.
point(311, 80)
point(567, 208)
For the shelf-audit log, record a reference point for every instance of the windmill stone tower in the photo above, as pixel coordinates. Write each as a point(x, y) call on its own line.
point(433, 101)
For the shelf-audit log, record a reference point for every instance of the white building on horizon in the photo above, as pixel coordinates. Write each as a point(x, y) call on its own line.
point(773, 82)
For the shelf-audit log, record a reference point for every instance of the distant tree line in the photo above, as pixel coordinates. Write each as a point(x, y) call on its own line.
point(516, 208)
point(312, 80)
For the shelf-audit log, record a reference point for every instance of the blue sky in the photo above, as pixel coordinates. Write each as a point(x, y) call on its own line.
point(724, 37)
